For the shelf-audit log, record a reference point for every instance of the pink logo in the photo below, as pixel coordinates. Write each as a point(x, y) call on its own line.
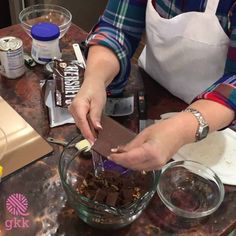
point(17, 204)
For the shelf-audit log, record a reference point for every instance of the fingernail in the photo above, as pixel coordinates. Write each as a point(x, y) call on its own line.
point(91, 142)
point(99, 125)
point(114, 150)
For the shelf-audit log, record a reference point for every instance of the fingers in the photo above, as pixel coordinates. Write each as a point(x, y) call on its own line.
point(144, 157)
point(136, 160)
point(130, 158)
point(86, 111)
point(95, 115)
point(79, 112)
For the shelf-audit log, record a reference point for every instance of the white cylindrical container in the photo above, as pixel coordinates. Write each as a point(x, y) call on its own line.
point(45, 45)
point(11, 57)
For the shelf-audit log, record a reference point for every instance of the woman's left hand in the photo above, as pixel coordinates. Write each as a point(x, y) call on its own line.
point(155, 145)
point(152, 148)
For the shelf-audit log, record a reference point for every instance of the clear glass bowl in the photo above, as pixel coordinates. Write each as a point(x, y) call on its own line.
point(45, 13)
point(73, 169)
point(189, 189)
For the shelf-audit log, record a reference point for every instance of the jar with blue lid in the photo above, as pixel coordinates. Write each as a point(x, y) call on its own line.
point(45, 45)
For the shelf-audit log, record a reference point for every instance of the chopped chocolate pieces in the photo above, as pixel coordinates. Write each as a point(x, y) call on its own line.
point(112, 198)
point(68, 76)
point(89, 193)
point(127, 195)
point(100, 195)
point(113, 188)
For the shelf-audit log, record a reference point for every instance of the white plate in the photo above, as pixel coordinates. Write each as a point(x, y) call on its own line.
point(217, 151)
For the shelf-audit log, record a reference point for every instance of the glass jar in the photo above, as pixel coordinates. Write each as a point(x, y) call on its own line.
point(45, 45)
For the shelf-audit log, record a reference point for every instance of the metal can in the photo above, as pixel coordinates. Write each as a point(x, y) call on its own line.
point(11, 57)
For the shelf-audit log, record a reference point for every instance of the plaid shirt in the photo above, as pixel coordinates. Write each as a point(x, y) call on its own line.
point(121, 26)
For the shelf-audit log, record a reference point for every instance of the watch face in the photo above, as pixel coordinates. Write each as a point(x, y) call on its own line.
point(204, 132)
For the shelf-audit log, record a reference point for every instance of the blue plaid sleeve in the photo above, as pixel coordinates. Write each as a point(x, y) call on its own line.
point(120, 28)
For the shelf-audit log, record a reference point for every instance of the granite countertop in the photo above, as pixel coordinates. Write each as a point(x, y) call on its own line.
point(48, 210)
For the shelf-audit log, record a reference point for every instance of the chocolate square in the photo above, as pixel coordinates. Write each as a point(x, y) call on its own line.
point(100, 195)
point(112, 135)
point(112, 198)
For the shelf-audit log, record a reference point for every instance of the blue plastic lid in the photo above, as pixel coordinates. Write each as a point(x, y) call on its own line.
point(45, 31)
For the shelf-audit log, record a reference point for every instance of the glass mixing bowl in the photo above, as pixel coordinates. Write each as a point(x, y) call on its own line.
point(73, 168)
point(45, 13)
point(189, 189)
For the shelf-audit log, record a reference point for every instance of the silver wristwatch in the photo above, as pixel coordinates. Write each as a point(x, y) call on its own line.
point(203, 127)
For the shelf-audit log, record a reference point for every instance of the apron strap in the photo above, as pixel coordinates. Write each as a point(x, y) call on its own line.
point(211, 6)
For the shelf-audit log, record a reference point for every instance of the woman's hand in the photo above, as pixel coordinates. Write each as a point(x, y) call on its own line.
point(155, 145)
point(102, 66)
point(89, 101)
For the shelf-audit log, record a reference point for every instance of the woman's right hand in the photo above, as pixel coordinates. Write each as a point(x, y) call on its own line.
point(91, 98)
point(89, 101)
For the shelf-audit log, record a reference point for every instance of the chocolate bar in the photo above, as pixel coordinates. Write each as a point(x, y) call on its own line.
point(68, 76)
point(106, 139)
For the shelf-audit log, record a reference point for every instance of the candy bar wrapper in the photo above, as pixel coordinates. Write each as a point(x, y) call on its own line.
point(57, 115)
point(68, 77)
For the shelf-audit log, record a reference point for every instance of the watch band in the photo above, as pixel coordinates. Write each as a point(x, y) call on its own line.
point(203, 127)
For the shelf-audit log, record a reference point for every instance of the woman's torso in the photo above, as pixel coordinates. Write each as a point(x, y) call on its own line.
point(171, 8)
point(187, 51)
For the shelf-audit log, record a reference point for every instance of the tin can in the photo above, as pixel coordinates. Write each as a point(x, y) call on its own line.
point(11, 57)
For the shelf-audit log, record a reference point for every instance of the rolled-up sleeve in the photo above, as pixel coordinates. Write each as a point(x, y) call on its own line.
point(120, 28)
point(223, 91)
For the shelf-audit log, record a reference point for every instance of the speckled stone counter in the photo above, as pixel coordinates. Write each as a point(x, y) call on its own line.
point(48, 210)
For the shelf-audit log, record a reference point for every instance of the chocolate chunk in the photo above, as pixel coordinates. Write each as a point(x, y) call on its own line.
point(112, 176)
point(127, 195)
point(112, 198)
point(141, 179)
point(89, 193)
point(100, 195)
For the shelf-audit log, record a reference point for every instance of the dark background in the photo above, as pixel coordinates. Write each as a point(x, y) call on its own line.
point(84, 13)
point(5, 19)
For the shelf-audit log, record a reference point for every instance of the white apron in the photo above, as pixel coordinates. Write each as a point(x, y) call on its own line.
point(187, 53)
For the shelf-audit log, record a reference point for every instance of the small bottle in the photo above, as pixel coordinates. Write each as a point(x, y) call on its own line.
point(45, 45)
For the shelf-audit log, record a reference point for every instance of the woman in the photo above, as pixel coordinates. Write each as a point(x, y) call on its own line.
point(191, 51)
